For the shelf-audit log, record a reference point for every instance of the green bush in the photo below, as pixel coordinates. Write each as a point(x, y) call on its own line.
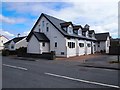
point(21, 50)
point(5, 52)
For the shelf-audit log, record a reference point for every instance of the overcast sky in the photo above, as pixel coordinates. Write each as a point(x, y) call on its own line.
point(19, 17)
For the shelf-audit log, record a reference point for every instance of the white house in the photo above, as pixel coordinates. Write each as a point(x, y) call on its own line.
point(16, 43)
point(103, 42)
point(3, 40)
point(66, 39)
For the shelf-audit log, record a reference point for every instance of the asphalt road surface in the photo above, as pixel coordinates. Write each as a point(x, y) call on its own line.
point(54, 74)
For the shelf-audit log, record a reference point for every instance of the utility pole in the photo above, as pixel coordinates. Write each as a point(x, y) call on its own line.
point(118, 51)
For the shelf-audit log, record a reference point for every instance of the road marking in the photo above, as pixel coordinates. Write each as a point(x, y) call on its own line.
point(81, 80)
point(21, 68)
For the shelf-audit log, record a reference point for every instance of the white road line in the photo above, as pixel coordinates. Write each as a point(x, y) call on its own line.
point(21, 68)
point(80, 80)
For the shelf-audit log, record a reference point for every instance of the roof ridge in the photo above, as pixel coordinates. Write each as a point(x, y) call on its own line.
point(103, 33)
point(54, 17)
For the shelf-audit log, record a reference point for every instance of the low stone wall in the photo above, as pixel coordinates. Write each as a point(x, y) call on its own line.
point(49, 55)
point(114, 50)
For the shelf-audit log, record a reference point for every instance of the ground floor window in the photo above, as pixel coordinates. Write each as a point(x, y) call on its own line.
point(81, 44)
point(71, 44)
point(88, 45)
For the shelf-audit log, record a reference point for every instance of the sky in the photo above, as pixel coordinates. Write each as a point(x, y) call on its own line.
point(20, 17)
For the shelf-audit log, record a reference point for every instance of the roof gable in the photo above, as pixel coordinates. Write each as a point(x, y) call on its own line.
point(40, 37)
point(56, 23)
point(15, 40)
point(102, 36)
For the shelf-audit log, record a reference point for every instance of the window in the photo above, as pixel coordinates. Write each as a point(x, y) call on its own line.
point(81, 44)
point(75, 31)
point(79, 32)
point(12, 46)
point(43, 44)
point(88, 45)
point(65, 28)
point(70, 29)
point(71, 44)
point(98, 44)
point(108, 43)
point(47, 28)
point(39, 30)
point(42, 24)
point(2, 41)
point(55, 44)
point(62, 53)
point(83, 33)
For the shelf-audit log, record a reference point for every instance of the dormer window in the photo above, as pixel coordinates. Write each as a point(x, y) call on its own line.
point(83, 33)
point(70, 30)
point(77, 29)
point(67, 27)
point(79, 32)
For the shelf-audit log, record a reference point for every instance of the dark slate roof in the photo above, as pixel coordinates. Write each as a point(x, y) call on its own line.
point(102, 36)
point(16, 39)
point(91, 31)
point(56, 23)
point(76, 27)
point(40, 36)
point(66, 24)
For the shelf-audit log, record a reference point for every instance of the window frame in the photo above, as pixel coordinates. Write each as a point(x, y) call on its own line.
point(56, 44)
point(43, 44)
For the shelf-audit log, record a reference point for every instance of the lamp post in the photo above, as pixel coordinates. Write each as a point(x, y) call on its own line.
point(118, 50)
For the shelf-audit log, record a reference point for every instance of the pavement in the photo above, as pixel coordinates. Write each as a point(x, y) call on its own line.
point(40, 73)
point(93, 61)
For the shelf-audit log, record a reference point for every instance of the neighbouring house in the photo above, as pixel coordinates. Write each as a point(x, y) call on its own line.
point(3, 40)
point(65, 38)
point(16, 43)
point(103, 42)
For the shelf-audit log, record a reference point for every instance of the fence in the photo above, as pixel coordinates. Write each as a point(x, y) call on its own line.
point(114, 50)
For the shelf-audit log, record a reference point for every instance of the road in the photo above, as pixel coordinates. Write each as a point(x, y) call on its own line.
point(55, 74)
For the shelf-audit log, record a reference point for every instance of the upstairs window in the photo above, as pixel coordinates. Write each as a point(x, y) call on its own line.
point(76, 31)
point(65, 28)
point(39, 30)
point(12, 46)
point(79, 32)
point(55, 44)
point(43, 44)
point(42, 24)
point(98, 44)
point(70, 30)
point(83, 34)
point(2, 41)
point(47, 28)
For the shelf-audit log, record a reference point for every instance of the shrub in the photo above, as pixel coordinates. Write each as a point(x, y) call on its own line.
point(5, 52)
point(21, 50)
